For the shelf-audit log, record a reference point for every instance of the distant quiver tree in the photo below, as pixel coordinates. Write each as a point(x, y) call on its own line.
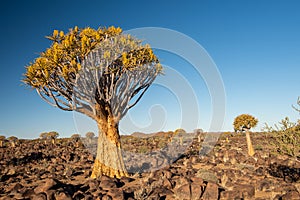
point(244, 123)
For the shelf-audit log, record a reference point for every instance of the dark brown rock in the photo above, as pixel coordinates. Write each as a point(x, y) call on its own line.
point(226, 195)
point(107, 184)
point(14, 187)
point(291, 195)
point(116, 193)
point(246, 191)
point(27, 193)
point(183, 192)
point(211, 191)
point(62, 196)
point(49, 183)
point(40, 196)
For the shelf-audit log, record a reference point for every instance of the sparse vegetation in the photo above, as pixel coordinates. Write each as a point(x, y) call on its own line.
point(286, 136)
point(243, 123)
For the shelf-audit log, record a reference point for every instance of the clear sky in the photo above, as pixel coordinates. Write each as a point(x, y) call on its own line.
point(255, 45)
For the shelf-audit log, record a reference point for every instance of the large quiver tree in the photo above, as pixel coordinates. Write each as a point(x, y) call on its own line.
point(100, 73)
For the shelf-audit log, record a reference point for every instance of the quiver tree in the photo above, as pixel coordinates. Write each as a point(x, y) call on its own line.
point(2, 139)
point(199, 133)
point(244, 123)
point(13, 141)
point(90, 136)
point(75, 138)
point(52, 136)
point(100, 73)
point(43, 136)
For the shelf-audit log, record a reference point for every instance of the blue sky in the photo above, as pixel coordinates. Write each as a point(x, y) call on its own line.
point(255, 45)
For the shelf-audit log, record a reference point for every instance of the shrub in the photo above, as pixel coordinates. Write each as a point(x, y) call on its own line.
point(286, 137)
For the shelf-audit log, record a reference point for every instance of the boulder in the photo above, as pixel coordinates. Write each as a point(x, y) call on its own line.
point(211, 191)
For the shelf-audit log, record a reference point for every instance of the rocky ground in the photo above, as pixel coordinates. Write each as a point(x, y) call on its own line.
point(35, 170)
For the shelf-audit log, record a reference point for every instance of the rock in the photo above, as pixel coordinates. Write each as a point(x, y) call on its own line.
point(49, 183)
point(180, 182)
point(260, 171)
point(62, 196)
point(12, 171)
point(79, 195)
point(27, 193)
point(196, 190)
point(226, 195)
point(245, 191)
point(166, 183)
point(107, 184)
point(197, 180)
point(93, 185)
point(211, 191)
point(264, 185)
point(116, 193)
point(291, 195)
point(40, 196)
point(183, 192)
point(14, 187)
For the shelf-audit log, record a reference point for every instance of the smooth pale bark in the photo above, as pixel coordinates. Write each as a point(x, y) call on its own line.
point(249, 144)
point(13, 144)
point(109, 160)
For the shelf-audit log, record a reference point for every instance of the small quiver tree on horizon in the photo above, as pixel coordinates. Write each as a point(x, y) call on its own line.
point(13, 141)
point(199, 133)
point(2, 139)
point(100, 73)
point(43, 136)
point(75, 139)
point(52, 136)
point(89, 136)
point(243, 123)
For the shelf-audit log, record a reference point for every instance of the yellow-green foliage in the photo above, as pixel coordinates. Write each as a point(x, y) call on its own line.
point(287, 137)
point(52, 134)
point(63, 59)
point(179, 131)
point(244, 122)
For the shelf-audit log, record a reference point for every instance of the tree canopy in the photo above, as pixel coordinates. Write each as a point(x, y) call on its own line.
point(86, 67)
point(244, 122)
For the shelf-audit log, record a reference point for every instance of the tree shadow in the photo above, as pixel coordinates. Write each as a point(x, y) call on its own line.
point(289, 174)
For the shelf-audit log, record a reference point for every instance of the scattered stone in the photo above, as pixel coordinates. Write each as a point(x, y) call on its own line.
point(62, 196)
point(49, 183)
point(291, 195)
point(211, 191)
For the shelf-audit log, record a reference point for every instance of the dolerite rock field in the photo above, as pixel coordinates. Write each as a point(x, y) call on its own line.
point(38, 169)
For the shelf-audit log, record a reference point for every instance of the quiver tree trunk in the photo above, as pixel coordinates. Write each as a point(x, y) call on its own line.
point(13, 144)
point(249, 144)
point(109, 160)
